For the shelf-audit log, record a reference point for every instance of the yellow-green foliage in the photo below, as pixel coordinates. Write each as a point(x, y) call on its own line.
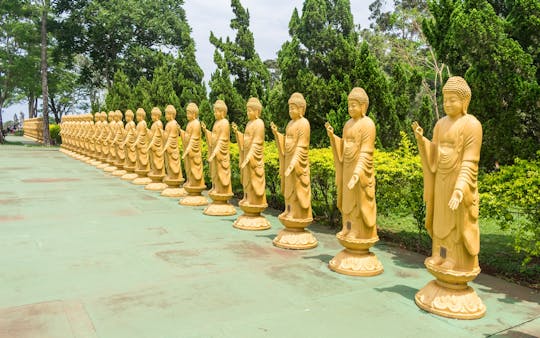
point(54, 131)
point(398, 175)
point(512, 196)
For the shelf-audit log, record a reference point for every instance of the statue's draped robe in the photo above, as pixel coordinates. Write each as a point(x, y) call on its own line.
point(450, 162)
point(172, 154)
point(220, 167)
point(293, 148)
point(353, 154)
point(120, 138)
point(130, 147)
point(191, 143)
point(251, 144)
point(143, 162)
point(156, 159)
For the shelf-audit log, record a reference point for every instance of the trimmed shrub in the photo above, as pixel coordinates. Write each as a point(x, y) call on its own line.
point(512, 196)
point(54, 131)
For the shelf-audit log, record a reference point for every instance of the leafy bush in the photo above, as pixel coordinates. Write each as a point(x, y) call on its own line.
point(54, 131)
point(512, 196)
point(399, 182)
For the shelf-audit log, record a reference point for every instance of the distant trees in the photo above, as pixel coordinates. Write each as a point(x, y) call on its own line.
point(141, 54)
point(496, 46)
point(240, 73)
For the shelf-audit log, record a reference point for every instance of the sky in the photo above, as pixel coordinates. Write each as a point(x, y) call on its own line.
point(269, 22)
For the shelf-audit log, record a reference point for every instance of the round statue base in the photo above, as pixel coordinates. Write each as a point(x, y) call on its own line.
point(141, 181)
point(119, 173)
point(449, 295)
point(173, 192)
point(95, 163)
point(157, 183)
point(173, 188)
point(252, 220)
point(294, 236)
point(355, 259)
point(220, 205)
point(110, 169)
point(194, 197)
point(103, 165)
point(89, 160)
point(129, 177)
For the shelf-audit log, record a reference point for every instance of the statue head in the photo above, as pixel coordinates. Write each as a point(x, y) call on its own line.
point(192, 111)
point(129, 115)
point(156, 114)
point(141, 114)
point(220, 109)
point(358, 102)
point(103, 116)
point(111, 115)
point(254, 108)
point(456, 96)
point(297, 106)
point(118, 115)
point(170, 112)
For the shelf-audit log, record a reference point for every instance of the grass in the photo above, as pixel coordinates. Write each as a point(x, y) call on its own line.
point(497, 254)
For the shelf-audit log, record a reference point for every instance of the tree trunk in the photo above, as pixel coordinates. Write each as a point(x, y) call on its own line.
point(45, 89)
point(1, 124)
point(54, 110)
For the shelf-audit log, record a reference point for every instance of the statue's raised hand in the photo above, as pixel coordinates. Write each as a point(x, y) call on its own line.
point(329, 129)
point(418, 131)
point(203, 125)
point(234, 127)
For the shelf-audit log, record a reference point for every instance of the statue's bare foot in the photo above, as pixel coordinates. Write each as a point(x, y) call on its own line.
point(448, 264)
point(437, 260)
point(353, 235)
point(343, 232)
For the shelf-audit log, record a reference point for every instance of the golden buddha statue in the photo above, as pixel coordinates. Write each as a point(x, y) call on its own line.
point(251, 151)
point(219, 159)
point(111, 141)
point(450, 166)
point(355, 180)
point(129, 146)
point(293, 150)
point(173, 166)
point(119, 147)
point(104, 140)
point(192, 156)
point(142, 167)
point(155, 149)
point(96, 147)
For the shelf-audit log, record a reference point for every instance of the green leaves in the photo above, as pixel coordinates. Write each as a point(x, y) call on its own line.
point(512, 196)
point(498, 55)
point(240, 73)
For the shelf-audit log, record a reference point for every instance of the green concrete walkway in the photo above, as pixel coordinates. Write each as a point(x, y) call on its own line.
point(84, 254)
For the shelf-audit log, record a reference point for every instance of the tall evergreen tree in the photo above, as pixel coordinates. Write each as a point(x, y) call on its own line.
point(119, 95)
point(475, 41)
point(238, 60)
point(324, 61)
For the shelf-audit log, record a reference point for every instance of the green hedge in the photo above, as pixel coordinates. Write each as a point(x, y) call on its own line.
point(398, 175)
point(512, 196)
point(54, 131)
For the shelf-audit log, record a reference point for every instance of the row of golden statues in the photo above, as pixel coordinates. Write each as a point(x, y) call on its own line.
point(33, 129)
point(151, 157)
